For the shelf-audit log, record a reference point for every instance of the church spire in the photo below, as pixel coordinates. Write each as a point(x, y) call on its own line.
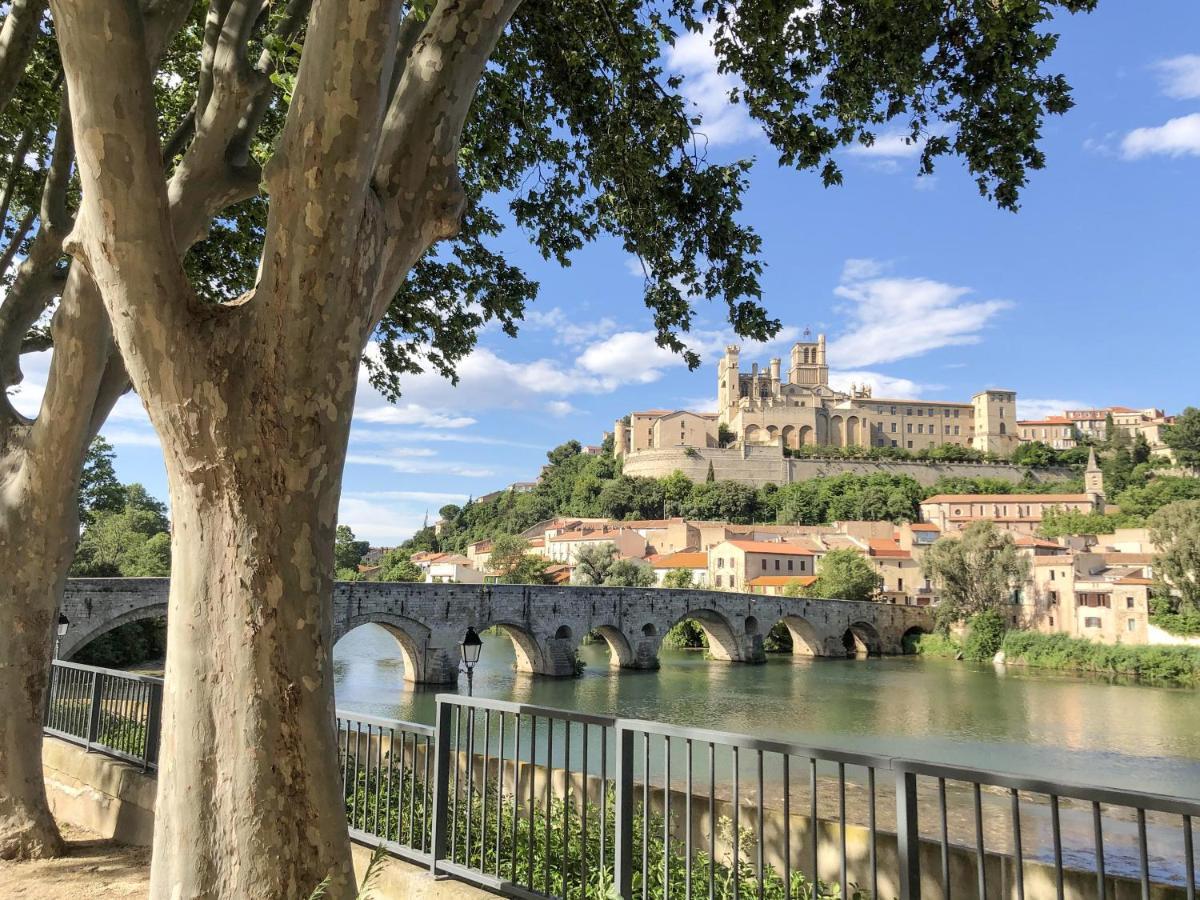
point(1093, 481)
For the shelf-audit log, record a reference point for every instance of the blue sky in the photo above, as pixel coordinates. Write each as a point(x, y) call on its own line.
point(1086, 297)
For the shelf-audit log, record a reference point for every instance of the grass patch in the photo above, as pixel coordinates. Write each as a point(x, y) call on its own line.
point(935, 646)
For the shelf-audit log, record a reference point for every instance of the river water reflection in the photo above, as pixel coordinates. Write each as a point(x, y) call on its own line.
point(1028, 722)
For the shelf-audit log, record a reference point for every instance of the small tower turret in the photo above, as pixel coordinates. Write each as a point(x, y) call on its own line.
point(1093, 482)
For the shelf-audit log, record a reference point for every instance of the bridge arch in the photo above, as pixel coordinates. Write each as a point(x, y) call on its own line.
point(411, 637)
point(862, 638)
point(806, 640)
point(530, 658)
point(621, 652)
point(910, 637)
point(722, 636)
point(80, 634)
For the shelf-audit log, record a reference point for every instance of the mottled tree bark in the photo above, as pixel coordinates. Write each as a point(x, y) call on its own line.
point(252, 401)
point(40, 462)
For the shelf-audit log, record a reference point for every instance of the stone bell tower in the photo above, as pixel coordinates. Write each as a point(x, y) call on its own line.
point(1093, 482)
point(808, 363)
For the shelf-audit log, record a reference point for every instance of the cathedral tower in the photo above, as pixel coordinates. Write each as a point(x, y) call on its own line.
point(808, 363)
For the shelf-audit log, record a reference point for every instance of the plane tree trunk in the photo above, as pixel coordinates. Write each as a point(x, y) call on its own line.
point(252, 401)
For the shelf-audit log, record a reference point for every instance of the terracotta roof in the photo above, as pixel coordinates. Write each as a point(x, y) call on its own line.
point(684, 559)
point(1136, 581)
point(1063, 559)
point(1049, 420)
point(585, 536)
point(654, 412)
point(1028, 540)
point(778, 548)
point(1007, 498)
point(924, 526)
point(781, 580)
point(1132, 559)
point(887, 547)
point(537, 542)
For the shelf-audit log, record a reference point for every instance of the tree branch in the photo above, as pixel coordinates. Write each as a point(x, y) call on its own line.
point(123, 233)
point(319, 177)
point(17, 39)
point(416, 166)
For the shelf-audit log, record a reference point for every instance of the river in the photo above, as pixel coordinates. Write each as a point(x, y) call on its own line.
point(1024, 721)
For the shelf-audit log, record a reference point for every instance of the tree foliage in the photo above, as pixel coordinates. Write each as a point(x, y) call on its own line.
point(974, 573)
point(844, 574)
point(132, 542)
point(678, 578)
point(1183, 437)
point(1175, 531)
point(99, 489)
point(347, 550)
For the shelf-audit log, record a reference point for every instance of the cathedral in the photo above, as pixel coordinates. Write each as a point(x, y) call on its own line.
point(761, 408)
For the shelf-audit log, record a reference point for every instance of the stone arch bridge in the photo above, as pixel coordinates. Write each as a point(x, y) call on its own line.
point(545, 624)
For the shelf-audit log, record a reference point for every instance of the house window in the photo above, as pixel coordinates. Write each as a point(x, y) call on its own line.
point(1051, 574)
point(893, 442)
point(1054, 598)
point(1129, 603)
point(910, 442)
point(764, 565)
point(893, 410)
point(802, 565)
point(893, 428)
point(1052, 621)
point(956, 429)
point(720, 562)
point(776, 565)
point(1131, 624)
point(910, 427)
point(908, 411)
point(717, 581)
point(899, 584)
point(790, 565)
point(1091, 622)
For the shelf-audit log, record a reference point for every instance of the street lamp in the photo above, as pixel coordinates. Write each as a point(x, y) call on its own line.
point(470, 649)
point(63, 624)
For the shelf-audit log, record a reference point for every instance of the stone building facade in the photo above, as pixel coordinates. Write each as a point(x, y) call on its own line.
point(763, 408)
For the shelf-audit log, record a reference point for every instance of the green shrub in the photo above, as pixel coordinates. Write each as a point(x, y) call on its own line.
point(1166, 665)
point(985, 635)
point(686, 635)
point(935, 646)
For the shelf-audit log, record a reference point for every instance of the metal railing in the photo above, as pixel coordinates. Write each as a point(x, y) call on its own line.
point(107, 710)
point(535, 802)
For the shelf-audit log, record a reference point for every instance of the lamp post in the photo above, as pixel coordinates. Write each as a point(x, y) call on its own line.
point(470, 649)
point(63, 624)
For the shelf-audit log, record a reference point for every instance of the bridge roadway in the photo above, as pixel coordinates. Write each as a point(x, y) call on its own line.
point(546, 623)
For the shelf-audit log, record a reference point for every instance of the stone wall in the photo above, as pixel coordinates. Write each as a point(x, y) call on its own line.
point(757, 466)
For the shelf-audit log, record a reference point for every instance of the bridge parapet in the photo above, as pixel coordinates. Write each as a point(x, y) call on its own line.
point(546, 623)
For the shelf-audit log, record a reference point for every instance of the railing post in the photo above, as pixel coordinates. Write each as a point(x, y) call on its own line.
point(93, 732)
point(441, 784)
point(623, 852)
point(153, 726)
point(908, 838)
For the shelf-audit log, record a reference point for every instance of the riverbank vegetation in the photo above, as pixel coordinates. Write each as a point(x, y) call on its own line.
point(1165, 665)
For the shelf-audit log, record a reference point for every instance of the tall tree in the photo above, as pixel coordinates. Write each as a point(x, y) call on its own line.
point(46, 302)
point(1183, 437)
point(975, 572)
point(1175, 530)
point(99, 489)
point(348, 551)
point(403, 122)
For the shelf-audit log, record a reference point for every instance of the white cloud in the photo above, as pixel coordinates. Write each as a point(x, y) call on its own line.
point(1034, 408)
point(893, 318)
point(1180, 76)
point(131, 437)
point(708, 90)
point(889, 145)
point(380, 523)
point(1177, 137)
point(397, 461)
point(566, 329)
point(882, 386)
point(560, 408)
point(412, 414)
point(628, 357)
